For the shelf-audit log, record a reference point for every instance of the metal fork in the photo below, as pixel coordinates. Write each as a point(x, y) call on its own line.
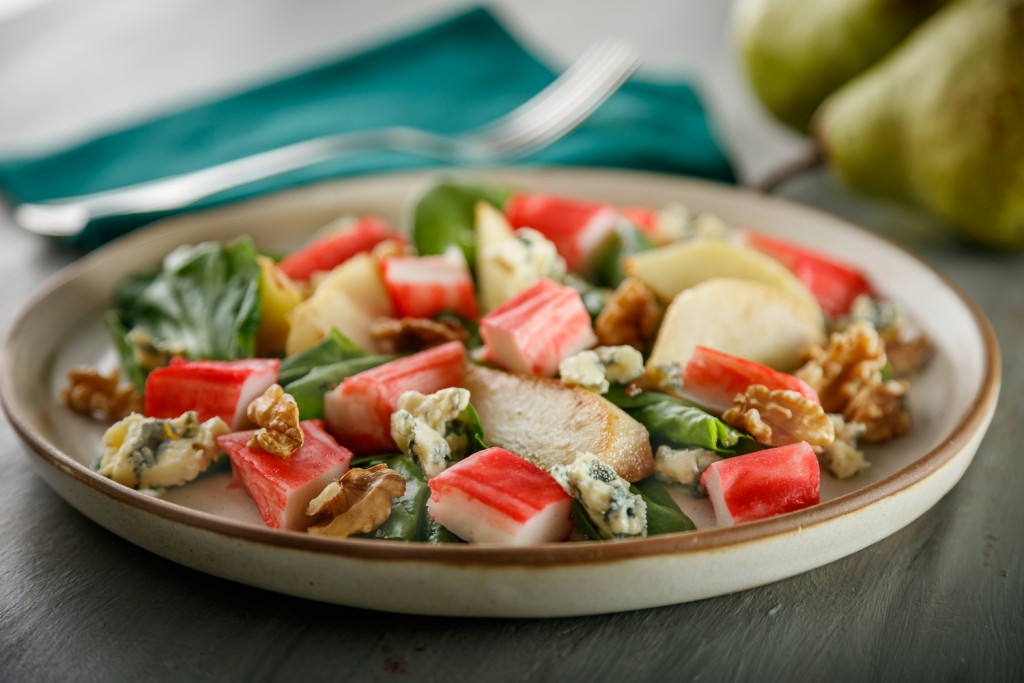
point(541, 120)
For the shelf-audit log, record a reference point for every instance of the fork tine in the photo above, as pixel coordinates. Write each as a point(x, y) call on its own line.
point(565, 102)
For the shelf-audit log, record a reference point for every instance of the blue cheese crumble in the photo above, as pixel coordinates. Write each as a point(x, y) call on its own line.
point(604, 495)
point(147, 452)
point(683, 466)
point(594, 370)
point(523, 259)
point(431, 428)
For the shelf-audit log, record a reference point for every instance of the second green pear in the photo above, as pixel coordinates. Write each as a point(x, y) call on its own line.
point(797, 52)
point(940, 122)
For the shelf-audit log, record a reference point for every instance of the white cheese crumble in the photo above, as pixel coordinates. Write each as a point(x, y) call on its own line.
point(683, 466)
point(584, 369)
point(431, 429)
point(526, 257)
point(842, 457)
point(147, 452)
point(604, 496)
point(594, 370)
point(622, 364)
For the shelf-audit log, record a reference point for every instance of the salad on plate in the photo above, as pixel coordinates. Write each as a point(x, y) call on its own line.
point(509, 367)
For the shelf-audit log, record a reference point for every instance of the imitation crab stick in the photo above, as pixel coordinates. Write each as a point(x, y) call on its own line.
point(834, 284)
point(332, 250)
point(713, 378)
point(762, 484)
point(213, 388)
point(577, 228)
point(494, 496)
point(535, 330)
point(358, 411)
point(283, 487)
point(423, 286)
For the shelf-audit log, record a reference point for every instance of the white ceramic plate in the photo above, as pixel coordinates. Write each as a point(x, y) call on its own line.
point(217, 530)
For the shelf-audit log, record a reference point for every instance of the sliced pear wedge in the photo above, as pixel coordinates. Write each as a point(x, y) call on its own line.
point(749, 319)
point(491, 228)
point(547, 422)
point(670, 269)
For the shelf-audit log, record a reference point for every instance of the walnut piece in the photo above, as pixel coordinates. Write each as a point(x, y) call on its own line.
point(630, 317)
point(879, 407)
point(777, 417)
point(847, 374)
point(357, 503)
point(907, 355)
point(403, 335)
point(92, 393)
point(277, 414)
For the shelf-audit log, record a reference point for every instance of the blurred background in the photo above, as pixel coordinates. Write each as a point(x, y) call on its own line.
point(134, 60)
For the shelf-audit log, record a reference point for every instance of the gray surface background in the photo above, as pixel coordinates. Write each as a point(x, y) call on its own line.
point(941, 600)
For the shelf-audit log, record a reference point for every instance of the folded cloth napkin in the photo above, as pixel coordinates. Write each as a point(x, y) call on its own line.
point(452, 76)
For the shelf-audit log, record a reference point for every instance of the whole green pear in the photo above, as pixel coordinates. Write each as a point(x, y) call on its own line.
point(797, 52)
point(940, 122)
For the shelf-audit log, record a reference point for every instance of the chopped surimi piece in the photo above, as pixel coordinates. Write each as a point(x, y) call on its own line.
point(532, 332)
point(762, 484)
point(423, 286)
point(833, 283)
point(578, 228)
point(494, 496)
point(334, 249)
point(713, 378)
point(358, 411)
point(283, 487)
point(213, 388)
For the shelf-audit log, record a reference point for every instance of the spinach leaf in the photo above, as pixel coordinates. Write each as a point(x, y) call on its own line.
point(445, 216)
point(627, 240)
point(308, 391)
point(333, 348)
point(474, 430)
point(680, 425)
point(663, 515)
point(204, 299)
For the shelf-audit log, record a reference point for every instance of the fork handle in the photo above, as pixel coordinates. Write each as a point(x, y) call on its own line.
point(69, 216)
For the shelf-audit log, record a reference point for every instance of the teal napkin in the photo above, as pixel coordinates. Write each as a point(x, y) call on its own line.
point(449, 77)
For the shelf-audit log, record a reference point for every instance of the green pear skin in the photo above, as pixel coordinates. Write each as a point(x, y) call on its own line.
point(798, 52)
point(940, 122)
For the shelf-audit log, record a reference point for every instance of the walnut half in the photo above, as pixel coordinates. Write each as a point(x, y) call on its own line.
point(90, 392)
point(357, 503)
point(847, 374)
point(778, 418)
point(278, 416)
point(401, 335)
point(630, 317)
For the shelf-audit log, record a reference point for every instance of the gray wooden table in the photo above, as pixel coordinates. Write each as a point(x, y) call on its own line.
point(941, 600)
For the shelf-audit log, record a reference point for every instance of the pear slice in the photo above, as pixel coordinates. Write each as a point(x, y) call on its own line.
point(547, 422)
point(491, 228)
point(752, 320)
point(670, 269)
point(349, 298)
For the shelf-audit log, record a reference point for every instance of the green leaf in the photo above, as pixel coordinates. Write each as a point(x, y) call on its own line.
point(334, 348)
point(308, 391)
point(204, 299)
point(474, 431)
point(627, 240)
point(680, 425)
point(663, 515)
point(584, 526)
point(445, 216)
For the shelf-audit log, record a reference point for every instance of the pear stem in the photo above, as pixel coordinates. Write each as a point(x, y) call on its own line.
point(810, 159)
